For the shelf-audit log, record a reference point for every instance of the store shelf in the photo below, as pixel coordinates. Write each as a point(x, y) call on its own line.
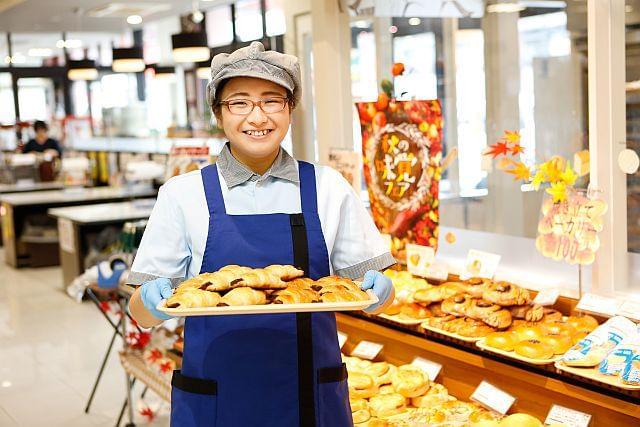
point(537, 388)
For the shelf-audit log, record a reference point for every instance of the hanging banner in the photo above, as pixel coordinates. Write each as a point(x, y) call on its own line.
point(402, 151)
point(568, 230)
point(186, 159)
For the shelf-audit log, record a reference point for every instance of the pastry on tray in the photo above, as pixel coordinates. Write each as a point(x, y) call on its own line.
point(235, 285)
point(438, 293)
point(506, 294)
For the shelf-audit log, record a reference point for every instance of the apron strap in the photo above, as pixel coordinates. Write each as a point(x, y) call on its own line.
point(212, 191)
point(308, 195)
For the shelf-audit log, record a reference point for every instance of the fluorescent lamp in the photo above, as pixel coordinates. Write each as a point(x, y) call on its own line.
point(505, 8)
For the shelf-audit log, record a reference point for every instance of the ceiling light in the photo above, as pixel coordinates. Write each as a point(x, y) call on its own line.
point(505, 8)
point(134, 19)
point(393, 29)
point(190, 47)
point(197, 16)
point(203, 70)
point(69, 44)
point(414, 21)
point(41, 52)
point(84, 69)
point(163, 72)
point(128, 60)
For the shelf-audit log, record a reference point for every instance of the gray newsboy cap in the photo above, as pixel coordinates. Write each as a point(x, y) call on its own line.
point(254, 61)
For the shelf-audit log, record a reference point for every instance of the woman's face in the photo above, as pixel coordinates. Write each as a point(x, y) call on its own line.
point(255, 135)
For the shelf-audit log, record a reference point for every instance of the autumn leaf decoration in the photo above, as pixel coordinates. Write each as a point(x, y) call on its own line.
point(556, 172)
point(147, 413)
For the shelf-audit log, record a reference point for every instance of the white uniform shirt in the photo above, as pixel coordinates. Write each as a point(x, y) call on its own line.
point(174, 240)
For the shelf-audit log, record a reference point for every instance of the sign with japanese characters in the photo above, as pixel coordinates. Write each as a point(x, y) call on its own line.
point(402, 154)
point(568, 230)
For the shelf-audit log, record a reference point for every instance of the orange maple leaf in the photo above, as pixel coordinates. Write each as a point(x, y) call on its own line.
point(516, 149)
point(497, 149)
point(511, 136)
point(520, 172)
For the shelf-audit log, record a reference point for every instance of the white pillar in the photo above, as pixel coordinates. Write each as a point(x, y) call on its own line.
point(607, 137)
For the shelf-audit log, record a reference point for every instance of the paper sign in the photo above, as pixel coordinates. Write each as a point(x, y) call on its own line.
point(419, 259)
point(437, 271)
point(480, 264)
point(349, 164)
point(65, 235)
point(547, 297)
point(431, 368)
point(342, 338)
point(630, 309)
point(569, 417)
point(493, 398)
point(598, 304)
point(367, 350)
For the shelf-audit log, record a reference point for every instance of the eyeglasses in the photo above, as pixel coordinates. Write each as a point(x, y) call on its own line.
point(243, 107)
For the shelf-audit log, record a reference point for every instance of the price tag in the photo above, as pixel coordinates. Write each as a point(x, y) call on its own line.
point(569, 417)
point(342, 338)
point(598, 304)
point(493, 398)
point(630, 309)
point(480, 264)
point(437, 271)
point(387, 239)
point(419, 259)
point(431, 368)
point(367, 350)
point(547, 297)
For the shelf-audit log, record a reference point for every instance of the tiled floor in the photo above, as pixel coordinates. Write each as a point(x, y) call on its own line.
point(50, 351)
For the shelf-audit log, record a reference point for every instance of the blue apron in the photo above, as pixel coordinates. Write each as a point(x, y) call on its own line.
point(268, 369)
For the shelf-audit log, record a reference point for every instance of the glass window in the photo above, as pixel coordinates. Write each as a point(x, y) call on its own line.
point(276, 20)
point(36, 99)
point(364, 86)
point(219, 26)
point(418, 51)
point(80, 98)
point(35, 49)
point(7, 111)
point(248, 20)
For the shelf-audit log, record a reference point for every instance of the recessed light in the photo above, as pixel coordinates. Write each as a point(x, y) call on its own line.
point(414, 21)
point(134, 19)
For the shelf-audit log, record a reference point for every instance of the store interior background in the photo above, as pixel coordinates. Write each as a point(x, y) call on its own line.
point(522, 71)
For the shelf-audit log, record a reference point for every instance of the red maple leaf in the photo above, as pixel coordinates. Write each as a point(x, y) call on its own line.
point(516, 149)
point(154, 355)
point(147, 413)
point(497, 149)
point(165, 367)
point(105, 306)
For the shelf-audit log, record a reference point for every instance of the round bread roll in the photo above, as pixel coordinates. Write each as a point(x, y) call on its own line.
point(358, 404)
point(360, 416)
point(525, 332)
point(384, 405)
point(584, 323)
point(520, 420)
point(373, 422)
point(559, 343)
point(394, 308)
point(386, 389)
point(486, 423)
point(355, 364)
point(578, 336)
point(415, 311)
point(386, 377)
point(502, 340)
point(481, 415)
point(377, 369)
point(559, 327)
point(410, 381)
point(534, 349)
point(361, 386)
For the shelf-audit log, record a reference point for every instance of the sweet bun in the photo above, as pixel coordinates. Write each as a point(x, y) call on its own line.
point(360, 416)
point(358, 404)
point(384, 405)
point(551, 315)
point(386, 389)
point(410, 381)
point(520, 420)
point(525, 332)
point(584, 323)
point(559, 327)
point(559, 343)
point(415, 311)
point(502, 340)
point(534, 349)
point(394, 308)
point(361, 386)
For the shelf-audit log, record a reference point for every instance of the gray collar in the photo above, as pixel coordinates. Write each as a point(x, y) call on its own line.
point(236, 173)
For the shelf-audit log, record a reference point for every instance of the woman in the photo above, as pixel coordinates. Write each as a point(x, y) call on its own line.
point(41, 143)
point(258, 206)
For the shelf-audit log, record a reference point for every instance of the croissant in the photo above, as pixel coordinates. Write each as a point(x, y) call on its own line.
point(303, 283)
point(344, 295)
point(220, 280)
point(285, 272)
point(194, 297)
point(259, 279)
point(295, 296)
point(243, 296)
point(193, 283)
point(337, 281)
point(236, 269)
point(438, 293)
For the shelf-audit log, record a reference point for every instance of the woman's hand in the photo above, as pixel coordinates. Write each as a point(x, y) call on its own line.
point(150, 294)
point(382, 287)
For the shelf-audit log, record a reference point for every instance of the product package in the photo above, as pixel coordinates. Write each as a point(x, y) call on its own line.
point(621, 356)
